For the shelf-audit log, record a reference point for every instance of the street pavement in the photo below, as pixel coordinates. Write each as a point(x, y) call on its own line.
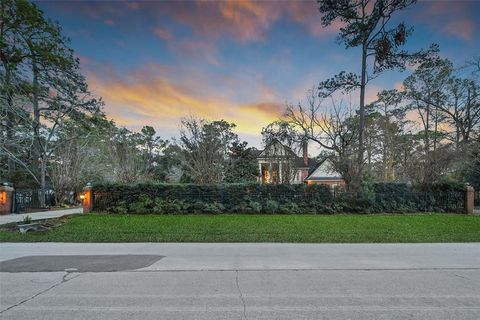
point(41, 215)
point(239, 281)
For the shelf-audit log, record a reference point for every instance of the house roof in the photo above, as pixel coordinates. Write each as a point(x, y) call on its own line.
point(312, 162)
point(256, 152)
point(320, 178)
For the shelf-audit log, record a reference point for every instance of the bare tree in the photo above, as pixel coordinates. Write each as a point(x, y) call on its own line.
point(67, 169)
point(424, 89)
point(391, 122)
point(331, 126)
point(125, 159)
point(461, 108)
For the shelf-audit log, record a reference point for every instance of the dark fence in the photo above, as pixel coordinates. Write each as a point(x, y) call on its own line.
point(26, 200)
point(256, 198)
point(419, 201)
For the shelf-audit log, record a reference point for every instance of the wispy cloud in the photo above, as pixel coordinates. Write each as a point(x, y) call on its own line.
point(163, 33)
point(461, 28)
point(242, 21)
point(195, 49)
point(454, 18)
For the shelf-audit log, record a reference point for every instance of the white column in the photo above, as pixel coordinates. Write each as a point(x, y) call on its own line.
point(270, 171)
point(280, 173)
point(260, 170)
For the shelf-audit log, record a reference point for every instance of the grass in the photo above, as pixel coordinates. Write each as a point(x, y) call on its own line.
point(258, 228)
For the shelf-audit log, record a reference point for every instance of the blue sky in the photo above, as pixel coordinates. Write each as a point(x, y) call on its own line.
point(155, 62)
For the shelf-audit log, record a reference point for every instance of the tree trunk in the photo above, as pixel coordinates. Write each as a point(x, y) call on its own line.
point(39, 160)
point(10, 118)
point(427, 169)
point(36, 119)
point(433, 166)
point(361, 126)
point(385, 142)
point(43, 174)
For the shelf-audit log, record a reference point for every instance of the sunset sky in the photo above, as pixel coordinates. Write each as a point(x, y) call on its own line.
point(155, 62)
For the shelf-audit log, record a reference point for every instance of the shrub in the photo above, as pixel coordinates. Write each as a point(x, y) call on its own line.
point(289, 208)
point(142, 205)
point(214, 208)
point(167, 206)
point(121, 207)
point(254, 207)
point(247, 207)
point(271, 206)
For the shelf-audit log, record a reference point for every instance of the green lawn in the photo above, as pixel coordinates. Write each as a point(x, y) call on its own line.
point(259, 228)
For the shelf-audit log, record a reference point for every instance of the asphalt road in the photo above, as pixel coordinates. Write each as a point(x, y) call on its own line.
point(239, 281)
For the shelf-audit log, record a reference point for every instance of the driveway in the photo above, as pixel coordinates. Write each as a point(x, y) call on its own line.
point(239, 281)
point(9, 218)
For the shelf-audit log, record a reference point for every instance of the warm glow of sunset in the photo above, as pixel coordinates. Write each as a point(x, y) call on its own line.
point(155, 62)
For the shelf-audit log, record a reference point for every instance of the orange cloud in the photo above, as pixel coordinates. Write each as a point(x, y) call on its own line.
point(447, 7)
point(399, 86)
point(154, 96)
point(250, 20)
point(371, 94)
point(461, 28)
point(241, 20)
point(266, 110)
point(306, 13)
point(450, 17)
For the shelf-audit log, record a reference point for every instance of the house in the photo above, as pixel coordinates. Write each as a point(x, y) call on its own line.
point(278, 163)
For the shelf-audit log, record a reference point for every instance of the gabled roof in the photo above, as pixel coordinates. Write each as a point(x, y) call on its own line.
point(312, 177)
point(312, 162)
point(287, 149)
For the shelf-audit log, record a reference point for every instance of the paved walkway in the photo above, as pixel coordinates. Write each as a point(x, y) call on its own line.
point(38, 215)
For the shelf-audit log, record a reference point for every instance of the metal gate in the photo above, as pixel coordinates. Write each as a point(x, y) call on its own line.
point(26, 200)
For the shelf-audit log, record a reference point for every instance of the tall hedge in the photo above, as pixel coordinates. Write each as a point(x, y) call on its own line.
point(288, 199)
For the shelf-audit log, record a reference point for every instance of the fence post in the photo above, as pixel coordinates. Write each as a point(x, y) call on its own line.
point(6, 199)
point(469, 200)
point(87, 200)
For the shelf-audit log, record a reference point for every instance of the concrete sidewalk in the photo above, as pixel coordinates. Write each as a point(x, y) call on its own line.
point(38, 215)
point(269, 256)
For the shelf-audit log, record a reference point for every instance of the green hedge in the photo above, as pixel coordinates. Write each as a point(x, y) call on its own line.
point(285, 199)
point(403, 198)
point(225, 198)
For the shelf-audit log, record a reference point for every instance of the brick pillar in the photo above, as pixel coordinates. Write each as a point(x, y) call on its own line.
point(469, 200)
point(87, 199)
point(6, 199)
